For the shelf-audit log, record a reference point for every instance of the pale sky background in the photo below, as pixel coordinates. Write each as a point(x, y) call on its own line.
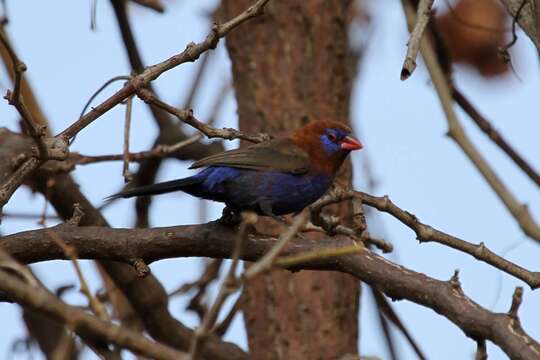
point(401, 125)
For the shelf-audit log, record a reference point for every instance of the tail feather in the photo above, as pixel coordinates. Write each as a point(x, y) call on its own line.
point(155, 189)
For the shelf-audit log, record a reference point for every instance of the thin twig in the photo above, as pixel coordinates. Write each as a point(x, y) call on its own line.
point(222, 327)
point(423, 14)
point(519, 211)
point(15, 98)
point(494, 135)
point(228, 286)
point(97, 307)
point(316, 255)
point(503, 51)
point(426, 233)
point(159, 151)
point(127, 124)
point(268, 260)
point(187, 117)
point(191, 53)
point(83, 323)
point(386, 308)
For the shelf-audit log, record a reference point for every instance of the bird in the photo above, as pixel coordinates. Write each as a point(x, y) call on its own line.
point(272, 178)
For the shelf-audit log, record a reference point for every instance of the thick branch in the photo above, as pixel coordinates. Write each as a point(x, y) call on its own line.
point(215, 240)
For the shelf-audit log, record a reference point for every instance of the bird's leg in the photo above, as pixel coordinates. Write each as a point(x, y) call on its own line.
point(229, 217)
point(266, 209)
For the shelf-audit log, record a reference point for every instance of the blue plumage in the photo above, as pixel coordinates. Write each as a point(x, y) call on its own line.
point(268, 192)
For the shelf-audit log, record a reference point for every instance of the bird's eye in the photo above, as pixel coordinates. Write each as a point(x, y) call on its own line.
point(332, 137)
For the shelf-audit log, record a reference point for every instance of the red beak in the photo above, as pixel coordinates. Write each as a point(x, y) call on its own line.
point(350, 143)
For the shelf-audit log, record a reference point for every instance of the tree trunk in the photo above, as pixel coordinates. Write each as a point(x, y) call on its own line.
point(291, 67)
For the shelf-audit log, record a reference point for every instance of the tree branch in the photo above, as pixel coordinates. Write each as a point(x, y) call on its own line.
point(215, 240)
point(423, 14)
point(82, 323)
point(456, 132)
point(138, 82)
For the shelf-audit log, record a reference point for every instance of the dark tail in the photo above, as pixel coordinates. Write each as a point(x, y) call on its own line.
point(155, 189)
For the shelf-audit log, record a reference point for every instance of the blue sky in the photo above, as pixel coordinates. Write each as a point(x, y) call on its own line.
point(400, 123)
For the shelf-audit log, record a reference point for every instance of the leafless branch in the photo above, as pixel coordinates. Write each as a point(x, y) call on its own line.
point(455, 131)
point(127, 124)
point(423, 14)
point(97, 307)
point(15, 99)
point(426, 233)
point(138, 82)
point(159, 151)
point(227, 288)
point(187, 117)
point(528, 18)
point(82, 323)
point(217, 241)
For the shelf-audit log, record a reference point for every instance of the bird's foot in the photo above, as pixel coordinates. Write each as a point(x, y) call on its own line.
point(229, 217)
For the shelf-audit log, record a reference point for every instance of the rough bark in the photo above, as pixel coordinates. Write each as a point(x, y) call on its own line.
point(292, 67)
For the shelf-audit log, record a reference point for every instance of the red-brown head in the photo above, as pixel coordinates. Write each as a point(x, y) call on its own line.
point(327, 143)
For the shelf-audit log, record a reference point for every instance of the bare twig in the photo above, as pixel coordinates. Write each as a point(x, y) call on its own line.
point(211, 273)
point(316, 255)
point(455, 131)
point(159, 151)
point(332, 224)
point(127, 124)
point(426, 233)
point(187, 117)
point(503, 51)
point(203, 63)
point(15, 98)
point(97, 307)
point(228, 286)
point(266, 262)
point(423, 14)
point(222, 327)
point(527, 18)
point(494, 135)
point(83, 323)
point(217, 241)
point(138, 82)
point(386, 308)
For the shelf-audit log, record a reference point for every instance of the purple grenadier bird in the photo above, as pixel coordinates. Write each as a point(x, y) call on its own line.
point(273, 178)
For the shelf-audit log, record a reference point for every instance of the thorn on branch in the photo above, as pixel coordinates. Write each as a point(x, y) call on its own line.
point(516, 302)
point(454, 280)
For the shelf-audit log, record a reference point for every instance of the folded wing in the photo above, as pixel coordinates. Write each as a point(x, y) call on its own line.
point(276, 155)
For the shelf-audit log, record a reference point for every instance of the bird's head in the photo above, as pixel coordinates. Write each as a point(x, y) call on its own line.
point(327, 142)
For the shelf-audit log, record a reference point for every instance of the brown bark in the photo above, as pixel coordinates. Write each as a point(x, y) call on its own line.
point(292, 67)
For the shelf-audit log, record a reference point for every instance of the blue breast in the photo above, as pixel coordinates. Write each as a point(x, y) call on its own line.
point(249, 189)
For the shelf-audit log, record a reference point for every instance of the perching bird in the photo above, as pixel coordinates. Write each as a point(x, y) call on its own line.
point(273, 178)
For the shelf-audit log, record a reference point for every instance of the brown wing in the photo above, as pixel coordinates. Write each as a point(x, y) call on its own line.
point(278, 155)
